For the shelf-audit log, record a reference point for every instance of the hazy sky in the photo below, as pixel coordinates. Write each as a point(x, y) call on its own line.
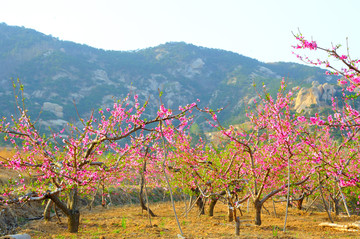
point(259, 29)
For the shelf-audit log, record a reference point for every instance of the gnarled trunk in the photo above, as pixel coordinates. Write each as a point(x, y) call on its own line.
point(70, 209)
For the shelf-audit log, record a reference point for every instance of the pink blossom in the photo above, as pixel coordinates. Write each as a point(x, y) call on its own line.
point(214, 117)
point(301, 118)
point(330, 119)
point(342, 82)
point(343, 57)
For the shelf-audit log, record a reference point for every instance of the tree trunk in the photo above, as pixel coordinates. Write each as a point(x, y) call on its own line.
point(57, 213)
point(323, 199)
point(336, 206)
point(201, 206)
point(103, 200)
point(142, 204)
point(343, 199)
point(237, 226)
point(300, 203)
point(74, 221)
point(274, 207)
point(47, 210)
point(91, 204)
point(212, 206)
point(74, 213)
point(230, 214)
point(247, 205)
point(71, 209)
point(257, 206)
point(199, 201)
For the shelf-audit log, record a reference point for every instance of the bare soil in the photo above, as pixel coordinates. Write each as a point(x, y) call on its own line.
point(131, 222)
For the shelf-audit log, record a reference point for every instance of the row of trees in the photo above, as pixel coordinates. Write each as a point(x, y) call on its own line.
point(283, 153)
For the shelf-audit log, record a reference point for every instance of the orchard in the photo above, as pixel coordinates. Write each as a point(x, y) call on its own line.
point(283, 156)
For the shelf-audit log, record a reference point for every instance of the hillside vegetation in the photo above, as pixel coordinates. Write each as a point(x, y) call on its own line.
point(56, 74)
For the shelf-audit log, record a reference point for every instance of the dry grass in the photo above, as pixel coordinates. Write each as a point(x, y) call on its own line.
point(131, 222)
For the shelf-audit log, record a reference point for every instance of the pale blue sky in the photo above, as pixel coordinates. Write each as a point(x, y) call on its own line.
point(259, 29)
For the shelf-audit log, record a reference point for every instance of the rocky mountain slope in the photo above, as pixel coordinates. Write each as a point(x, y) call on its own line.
point(317, 95)
point(58, 73)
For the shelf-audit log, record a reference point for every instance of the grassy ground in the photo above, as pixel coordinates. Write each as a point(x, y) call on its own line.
point(131, 222)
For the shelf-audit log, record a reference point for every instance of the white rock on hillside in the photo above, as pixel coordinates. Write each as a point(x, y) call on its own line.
point(54, 123)
point(100, 76)
point(198, 63)
point(192, 69)
point(53, 108)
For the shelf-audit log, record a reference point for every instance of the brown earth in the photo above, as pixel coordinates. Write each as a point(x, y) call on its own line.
point(131, 222)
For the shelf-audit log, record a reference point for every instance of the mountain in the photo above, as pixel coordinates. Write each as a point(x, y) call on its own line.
point(57, 73)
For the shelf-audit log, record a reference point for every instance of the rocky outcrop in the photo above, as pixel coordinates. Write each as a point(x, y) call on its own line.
point(53, 108)
point(189, 69)
point(316, 95)
point(101, 77)
point(53, 123)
